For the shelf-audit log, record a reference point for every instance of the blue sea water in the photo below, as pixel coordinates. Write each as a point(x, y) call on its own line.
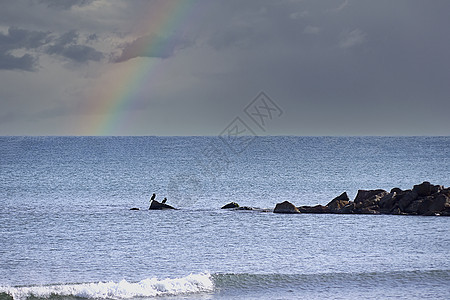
point(66, 231)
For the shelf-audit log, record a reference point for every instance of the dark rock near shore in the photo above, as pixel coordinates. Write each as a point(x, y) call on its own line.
point(155, 205)
point(423, 189)
point(230, 205)
point(134, 208)
point(286, 207)
point(339, 202)
point(369, 198)
point(406, 199)
point(388, 201)
point(348, 209)
point(396, 190)
point(318, 209)
point(423, 199)
point(440, 203)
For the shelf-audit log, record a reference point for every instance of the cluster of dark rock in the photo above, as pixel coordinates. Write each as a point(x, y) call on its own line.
point(423, 199)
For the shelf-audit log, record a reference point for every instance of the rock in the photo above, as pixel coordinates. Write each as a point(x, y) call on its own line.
point(397, 211)
point(424, 205)
point(440, 203)
point(446, 212)
point(348, 209)
point(244, 208)
point(413, 208)
point(155, 205)
point(432, 213)
point(364, 195)
point(230, 205)
point(367, 198)
point(286, 207)
point(406, 199)
point(388, 201)
point(318, 209)
point(436, 189)
point(396, 190)
point(339, 202)
point(134, 208)
point(369, 211)
point(423, 189)
point(423, 199)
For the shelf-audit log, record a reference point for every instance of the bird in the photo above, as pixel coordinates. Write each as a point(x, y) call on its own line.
point(164, 201)
point(153, 197)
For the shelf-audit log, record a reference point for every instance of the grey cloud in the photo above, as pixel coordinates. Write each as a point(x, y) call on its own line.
point(17, 39)
point(351, 38)
point(91, 38)
point(21, 38)
point(152, 46)
point(311, 29)
point(78, 53)
point(65, 4)
point(66, 46)
point(25, 62)
point(241, 36)
point(376, 63)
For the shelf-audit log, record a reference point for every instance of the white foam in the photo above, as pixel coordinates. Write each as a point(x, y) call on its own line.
point(150, 287)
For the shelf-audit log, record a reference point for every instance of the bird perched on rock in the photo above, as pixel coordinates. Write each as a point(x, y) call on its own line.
point(164, 200)
point(153, 197)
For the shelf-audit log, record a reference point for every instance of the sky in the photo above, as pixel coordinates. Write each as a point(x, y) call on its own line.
point(203, 67)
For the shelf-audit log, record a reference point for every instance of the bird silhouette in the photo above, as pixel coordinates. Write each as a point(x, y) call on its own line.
point(153, 197)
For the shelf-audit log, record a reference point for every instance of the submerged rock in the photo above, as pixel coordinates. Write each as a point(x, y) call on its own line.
point(134, 208)
point(155, 205)
point(230, 205)
point(286, 207)
point(244, 208)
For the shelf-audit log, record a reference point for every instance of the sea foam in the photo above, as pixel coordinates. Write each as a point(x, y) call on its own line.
point(150, 287)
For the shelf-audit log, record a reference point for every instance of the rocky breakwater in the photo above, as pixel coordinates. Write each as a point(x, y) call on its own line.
point(423, 199)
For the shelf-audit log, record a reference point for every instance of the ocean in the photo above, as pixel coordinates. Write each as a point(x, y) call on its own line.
point(67, 231)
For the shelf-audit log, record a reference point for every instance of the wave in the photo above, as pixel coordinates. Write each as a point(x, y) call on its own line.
point(238, 284)
point(245, 281)
point(150, 287)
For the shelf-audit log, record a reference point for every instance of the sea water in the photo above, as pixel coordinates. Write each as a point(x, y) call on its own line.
point(66, 231)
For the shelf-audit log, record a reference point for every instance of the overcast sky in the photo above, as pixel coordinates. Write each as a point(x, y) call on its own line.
point(335, 67)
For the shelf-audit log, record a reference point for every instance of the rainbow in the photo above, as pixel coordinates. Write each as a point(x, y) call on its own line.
point(110, 102)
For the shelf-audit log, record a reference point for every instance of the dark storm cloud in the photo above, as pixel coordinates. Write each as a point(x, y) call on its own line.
point(33, 42)
point(20, 38)
point(25, 62)
point(152, 46)
point(67, 46)
point(334, 66)
point(17, 39)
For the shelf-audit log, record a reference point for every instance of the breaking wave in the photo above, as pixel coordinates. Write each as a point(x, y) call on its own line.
point(150, 287)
